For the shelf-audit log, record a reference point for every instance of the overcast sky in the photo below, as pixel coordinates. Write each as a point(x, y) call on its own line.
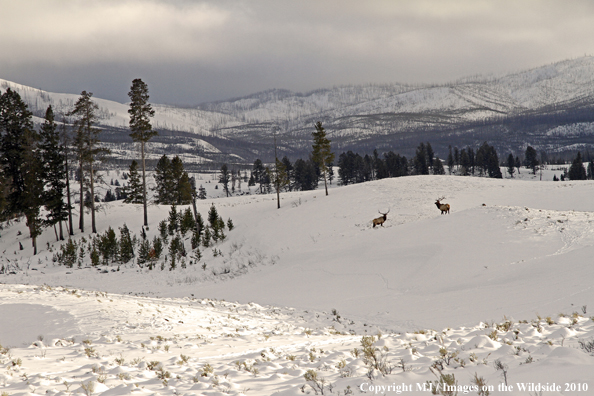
point(192, 51)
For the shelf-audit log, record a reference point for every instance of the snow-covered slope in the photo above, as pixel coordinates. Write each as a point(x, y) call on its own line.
point(303, 284)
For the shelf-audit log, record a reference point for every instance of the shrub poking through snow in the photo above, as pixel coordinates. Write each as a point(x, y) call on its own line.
point(318, 384)
point(373, 357)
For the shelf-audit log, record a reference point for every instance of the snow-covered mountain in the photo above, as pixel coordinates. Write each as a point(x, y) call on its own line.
point(548, 107)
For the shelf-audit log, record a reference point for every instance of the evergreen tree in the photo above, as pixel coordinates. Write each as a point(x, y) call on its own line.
point(32, 198)
point(224, 178)
point(590, 172)
point(511, 165)
point(144, 252)
point(54, 172)
point(107, 244)
point(430, 155)
point(109, 196)
point(140, 112)
point(346, 168)
point(289, 169)
point(577, 170)
point(173, 226)
point(182, 186)
point(488, 161)
point(464, 162)
point(450, 161)
point(306, 177)
point(201, 192)
point(134, 190)
point(187, 222)
point(258, 172)
point(21, 163)
point(165, 184)
point(471, 159)
point(184, 189)
point(438, 167)
point(87, 148)
point(530, 159)
point(126, 245)
point(420, 160)
point(206, 237)
point(321, 154)
point(213, 217)
point(279, 178)
point(518, 164)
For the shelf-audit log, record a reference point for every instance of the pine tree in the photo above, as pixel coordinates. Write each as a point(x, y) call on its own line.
point(165, 185)
point(531, 160)
point(213, 217)
point(134, 190)
point(65, 141)
point(86, 143)
point(21, 162)
point(187, 222)
point(577, 170)
point(224, 178)
point(126, 245)
point(420, 160)
point(140, 112)
point(182, 187)
point(144, 252)
point(201, 192)
point(107, 244)
point(511, 165)
point(258, 172)
point(450, 161)
point(279, 178)
point(430, 155)
point(54, 172)
point(518, 164)
point(438, 167)
point(306, 177)
point(464, 162)
point(322, 154)
point(173, 226)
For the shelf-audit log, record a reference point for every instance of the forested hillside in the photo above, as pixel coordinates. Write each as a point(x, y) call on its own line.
point(549, 107)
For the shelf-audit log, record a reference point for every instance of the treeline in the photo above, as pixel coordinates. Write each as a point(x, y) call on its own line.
point(354, 168)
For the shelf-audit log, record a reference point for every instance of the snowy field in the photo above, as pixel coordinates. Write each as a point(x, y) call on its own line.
point(501, 289)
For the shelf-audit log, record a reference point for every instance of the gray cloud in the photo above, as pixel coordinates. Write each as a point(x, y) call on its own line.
point(194, 51)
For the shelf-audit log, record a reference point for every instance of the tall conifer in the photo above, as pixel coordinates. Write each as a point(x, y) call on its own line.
point(140, 112)
point(322, 154)
point(54, 172)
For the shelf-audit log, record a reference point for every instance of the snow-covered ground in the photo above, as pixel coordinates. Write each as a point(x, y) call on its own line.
point(505, 280)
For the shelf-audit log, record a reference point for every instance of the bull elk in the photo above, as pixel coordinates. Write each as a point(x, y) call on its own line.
point(445, 208)
point(380, 220)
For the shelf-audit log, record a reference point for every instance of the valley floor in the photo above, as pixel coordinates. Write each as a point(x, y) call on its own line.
point(499, 289)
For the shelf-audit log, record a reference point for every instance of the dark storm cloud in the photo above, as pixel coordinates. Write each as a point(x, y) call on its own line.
point(194, 51)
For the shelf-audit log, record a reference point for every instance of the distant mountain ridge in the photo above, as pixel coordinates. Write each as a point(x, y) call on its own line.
point(549, 107)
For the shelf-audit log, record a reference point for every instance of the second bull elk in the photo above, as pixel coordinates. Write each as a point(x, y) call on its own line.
point(380, 220)
point(445, 208)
